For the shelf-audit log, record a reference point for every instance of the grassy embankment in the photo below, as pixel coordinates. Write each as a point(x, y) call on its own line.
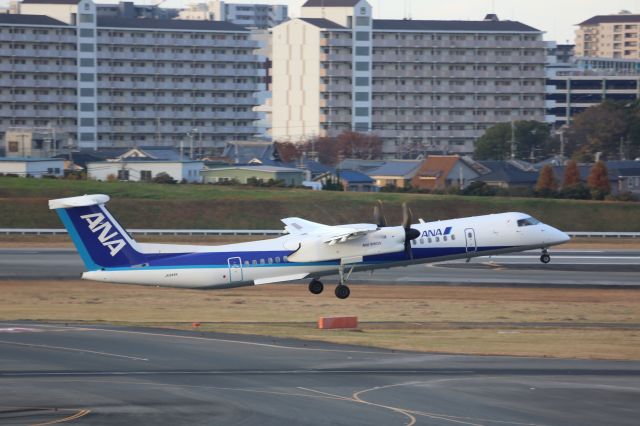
point(573, 323)
point(23, 203)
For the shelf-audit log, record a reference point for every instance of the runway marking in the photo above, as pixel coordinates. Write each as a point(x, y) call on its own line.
point(240, 342)
point(446, 417)
point(74, 350)
point(354, 398)
point(75, 416)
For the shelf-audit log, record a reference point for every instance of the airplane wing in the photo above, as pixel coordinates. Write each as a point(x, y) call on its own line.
point(328, 234)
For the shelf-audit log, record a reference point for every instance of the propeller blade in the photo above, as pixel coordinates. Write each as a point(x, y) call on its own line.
point(378, 215)
point(406, 216)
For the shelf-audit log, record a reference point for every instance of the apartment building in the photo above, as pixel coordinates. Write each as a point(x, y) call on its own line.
point(250, 15)
point(119, 82)
point(609, 36)
point(588, 82)
point(433, 84)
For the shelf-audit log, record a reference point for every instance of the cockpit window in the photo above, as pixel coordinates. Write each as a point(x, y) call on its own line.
point(528, 221)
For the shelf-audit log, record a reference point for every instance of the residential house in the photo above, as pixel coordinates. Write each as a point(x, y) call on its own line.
point(351, 180)
point(440, 172)
point(242, 174)
point(509, 174)
point(32, 167)
point(140, 169)
point(395, 173)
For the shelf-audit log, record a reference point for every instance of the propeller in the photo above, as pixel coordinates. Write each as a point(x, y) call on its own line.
point(378, 215)
point(409, 232)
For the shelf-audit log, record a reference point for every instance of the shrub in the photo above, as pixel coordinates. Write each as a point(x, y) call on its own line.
point(163, 177)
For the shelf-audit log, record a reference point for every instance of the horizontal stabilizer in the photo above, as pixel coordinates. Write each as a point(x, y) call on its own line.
point(80, 201)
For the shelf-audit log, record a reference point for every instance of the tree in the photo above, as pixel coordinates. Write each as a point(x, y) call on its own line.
point(599, 181)
point(571, 174)
point(331, 150)
point(600, 128)
point(547, 182)
point(532, 141)
point(287, 151)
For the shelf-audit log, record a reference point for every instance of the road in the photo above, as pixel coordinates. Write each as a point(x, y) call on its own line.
point(115, 375)
point(567, 268)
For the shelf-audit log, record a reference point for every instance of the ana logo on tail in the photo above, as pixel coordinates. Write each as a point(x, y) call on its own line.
point(96, 222)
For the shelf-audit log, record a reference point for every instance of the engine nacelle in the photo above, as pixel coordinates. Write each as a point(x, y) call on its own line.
point(385, 240)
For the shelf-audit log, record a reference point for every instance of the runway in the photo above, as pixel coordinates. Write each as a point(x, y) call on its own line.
point(116, 375)
point(567, 268)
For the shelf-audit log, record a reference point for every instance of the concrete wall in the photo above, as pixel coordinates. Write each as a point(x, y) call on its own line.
point(177, 170)
point(33, 168)
point(296, 80)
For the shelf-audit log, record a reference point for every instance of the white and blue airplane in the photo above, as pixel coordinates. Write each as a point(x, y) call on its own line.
point(306, 250)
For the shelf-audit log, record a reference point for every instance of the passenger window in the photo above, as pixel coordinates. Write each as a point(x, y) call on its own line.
point(414, 242)
point(437, 239)
point(453, 237)
point(285, 259)
point(421, 241)
point(255, 262)
point(429, 240)
point(470, 235)
point(277, 259)
point(444, 238)
point(246, 262)
point(262, 261)
point(270, 261)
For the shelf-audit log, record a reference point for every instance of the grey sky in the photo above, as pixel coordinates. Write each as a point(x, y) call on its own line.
point(556, 17)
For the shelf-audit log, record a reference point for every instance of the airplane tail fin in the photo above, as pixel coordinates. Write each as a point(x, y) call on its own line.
point(99, 238)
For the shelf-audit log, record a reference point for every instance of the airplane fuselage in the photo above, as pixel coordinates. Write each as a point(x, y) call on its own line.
point(267, 261)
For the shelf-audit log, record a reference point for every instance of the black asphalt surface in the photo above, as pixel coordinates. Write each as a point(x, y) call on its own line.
point(135, 376)
point(567, 268)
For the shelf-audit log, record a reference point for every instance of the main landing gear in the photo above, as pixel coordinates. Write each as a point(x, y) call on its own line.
point(544, 257)
point(316, 286)
point(342, 291)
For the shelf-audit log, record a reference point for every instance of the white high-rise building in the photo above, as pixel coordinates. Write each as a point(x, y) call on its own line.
point(436, 85)
point(247, 14)
point(116, 81)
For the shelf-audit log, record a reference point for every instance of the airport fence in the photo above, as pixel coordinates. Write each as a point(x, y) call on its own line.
point(255, 232)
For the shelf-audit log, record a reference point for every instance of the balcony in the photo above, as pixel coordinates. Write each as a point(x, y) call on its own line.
point(335, 88)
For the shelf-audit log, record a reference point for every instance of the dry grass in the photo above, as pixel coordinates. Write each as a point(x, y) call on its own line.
point(580, 323)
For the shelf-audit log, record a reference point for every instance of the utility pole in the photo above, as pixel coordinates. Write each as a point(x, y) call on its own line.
point(513, 140)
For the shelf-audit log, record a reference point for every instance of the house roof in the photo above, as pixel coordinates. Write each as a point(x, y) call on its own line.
point(433, 25)
point(242, 152)
point(15, 19)
point(399, 168)
point(438, 165)
point(169, 24)
point(331, 3)
point(28, 159)
point(611, 19)
point(267, 169)
point(323, 23)
point(504, 171)
point(360, 165)
point(353, 176)
point(50, 1)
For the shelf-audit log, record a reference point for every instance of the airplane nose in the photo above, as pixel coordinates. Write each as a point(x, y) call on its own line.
point(560, 237)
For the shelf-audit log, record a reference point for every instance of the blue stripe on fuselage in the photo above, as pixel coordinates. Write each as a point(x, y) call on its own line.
point(220, 259)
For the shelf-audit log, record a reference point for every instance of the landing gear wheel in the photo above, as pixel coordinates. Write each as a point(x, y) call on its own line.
point(316, 287)
point(545, 258)
point(342, 291)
